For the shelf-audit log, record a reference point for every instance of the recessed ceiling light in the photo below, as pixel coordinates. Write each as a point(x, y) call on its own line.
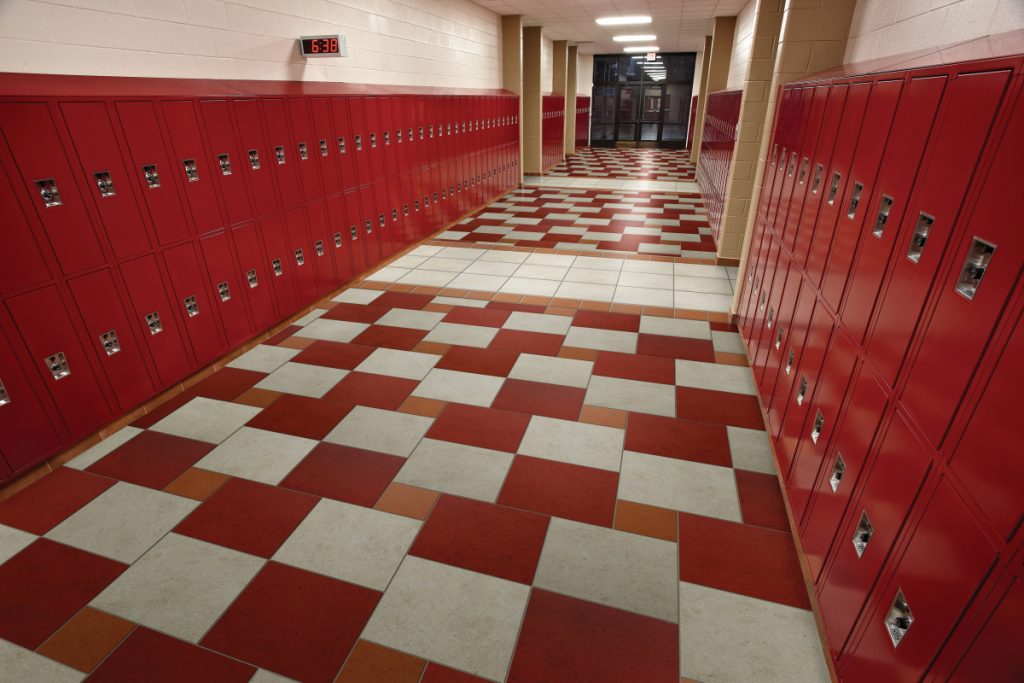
point(641, 48)
point(634, 38)
point(621, 21)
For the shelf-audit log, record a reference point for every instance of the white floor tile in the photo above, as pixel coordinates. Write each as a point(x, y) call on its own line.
point(576, 443)
point(414, 320)
point(427, 278)
point(104, 448)
point(478, 282)
point(538, 322)
point(388, 274)
point(632, 395)
point(13, 541)
point(19, 664)
point(378, 430)
point(462, 335)
point(641, 296)
point(696, 301)
point(591, 276)
point(750, 450)
point(715, 376)
point(683, 485)
point(397, 363)
point(552, 370)
point(541, 272)
point(258, 454)
point(264, 358)
point(332, 330)
point(675, 327)
point(206, 419)
point(585, 292)
point(302, 379)
point(456, 469)
point(650, 280)
point(460, 387)
point(602, 340)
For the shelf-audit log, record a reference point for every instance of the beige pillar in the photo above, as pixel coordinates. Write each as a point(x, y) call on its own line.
point(811, 39)
point(570, 100)
point(512, 67)
point(715, 73)
point(559, 78)
point(530, 120)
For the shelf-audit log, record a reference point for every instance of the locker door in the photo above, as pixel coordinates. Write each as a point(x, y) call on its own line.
point(226, 288)
point(385, 106)
point(338, 238)
point(843, 466)
point(323, 250)
point(306, 148)
point(778, 396)
point(373, 142)
point(21, 260)
point(191, 163)
point(343, 143)
point(226, 160)
point(769, 328)
point(368, 226)
point(984, 267)
point(968, 109)
point(254, 275)
point(400, 115)
point(60, 362)
point(788, 202)
point(154, 170)
point(193, 303)
point(884, 210)
point(358, 244)
point(870, 529)
point(301, 254)
point(52, 185)
point(155, 319)
point(947, 537)
point(284, 155)
point(26, 433)
point(996, 654)
point(103, 168)
point(258, 156)
point(779, 340)
point(360, 139)
point(326, 147)
point(281, 260)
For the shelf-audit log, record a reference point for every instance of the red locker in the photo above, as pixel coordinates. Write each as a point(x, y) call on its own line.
point(870, 529)
point(188, 283)
point(372, 140)
point(191, 163)
point(323, 249)
point(301, 254)
point(21, 261)
point(344, 144)
point(51, 184)
point(885, 208)
point(338, 238)
point(996, 654)
point(226, 288)
point(156, 321)
point(102, 166)
point(226, 160)
point(154, 170)
point(258, 157)
point(284, 156)
point(254, 276)
point(780, 339)
point(326, 148)
point(358, 244)
point(59, 361)
point(789, 202)
point(306, 149)
point(281, 261)
point(968, 109)
point(368, 226)
point(360, 139)
point(919, 605)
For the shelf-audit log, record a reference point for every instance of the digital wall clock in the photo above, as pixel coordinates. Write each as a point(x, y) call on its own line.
point(323, 46)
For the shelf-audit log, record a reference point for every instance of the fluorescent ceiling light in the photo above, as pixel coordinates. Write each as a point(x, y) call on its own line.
point(622, 21)
point(641, 48)
point(635, 38)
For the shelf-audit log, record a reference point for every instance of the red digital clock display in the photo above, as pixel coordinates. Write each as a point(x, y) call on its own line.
point(321, 46)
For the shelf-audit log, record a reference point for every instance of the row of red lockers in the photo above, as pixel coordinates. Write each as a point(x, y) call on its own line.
point(143, 238)
point(882, 312)
point(721, 121)
point(582, 121)
point(552, 130)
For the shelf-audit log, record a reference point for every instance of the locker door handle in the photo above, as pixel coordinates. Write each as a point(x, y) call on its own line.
point(819, 424)
point(337, 240)
point(373, 141)
point(381, 219)
point(803, 170)
point(387, 138)
point(778, 338)
point(191, 306)
point(979, 254)
point(833, 189)
point(368, 226)
point(58, 366)
point(48, 192)
point(838, 471)
point(252, 278)
point(801, 391)
point(819, 170)
point(398, 135)
point(110, 343)
point(191, 170)
point(884, 207)
point(341, 145)
point(277, 267)
point(279, 154)
point(899, 619)
point(151, 175)
point(355, 233)
point(5, 398)
point(359, 143)
point(224, 291)
point(920, 236)
point(104, 184)
point(851, 211)
point(771, 317)
point(405, 209)
point(224, 161)
point(323, 148)
point(862, 534)
point(254, 159)
point(153, 323)
point(300, 258)
point(319, 246)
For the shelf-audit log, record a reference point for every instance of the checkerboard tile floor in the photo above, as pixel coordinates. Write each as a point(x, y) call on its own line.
point(602, 162)
point(432, 476)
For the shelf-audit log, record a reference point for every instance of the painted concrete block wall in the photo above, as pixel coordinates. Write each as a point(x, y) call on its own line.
point(743, 41)
point(546, 64)
point(585, 75)
point(885, 27)
point(446, 43)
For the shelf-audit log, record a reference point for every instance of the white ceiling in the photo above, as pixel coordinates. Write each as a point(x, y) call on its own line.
point(679, 24)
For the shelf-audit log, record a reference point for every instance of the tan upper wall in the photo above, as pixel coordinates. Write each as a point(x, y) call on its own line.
point(448, 43)
point(885, 27)
point(585, 76)
point(546, 73)
point(742, 42)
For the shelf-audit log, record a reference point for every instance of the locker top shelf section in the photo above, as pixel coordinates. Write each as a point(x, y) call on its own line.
point(979, 49)
point(60, 85)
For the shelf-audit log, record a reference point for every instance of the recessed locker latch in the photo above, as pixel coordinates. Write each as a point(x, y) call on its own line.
point(153, 323)
point(57, 364)
point(149, 172)
point(104, 184)
point(276, 265)
point(319, 246)
point(323, 148)
point(899, 619)
point(5, 398)
point(341, 145)
point(224, 291)
point(778, 338)
point(224, 161)
point(191, 306)
point(975, 264)
point(819, 424)
point(303, 152)
point(279, 154)
point(920, 236)
point(254, 159)
point(387, 138)
point(252, 278)
point(884, 207)
point(353, 232)
point(110, 343)
point(337, 240)
point(373, 141)
point(833, 189)
point(862, 534)
point(851, 211)
point(191, 170)
point(368, 226)
point(801, 391)
point(838, 470)
point(300, 258)
point(359, 143)
point(48, 192)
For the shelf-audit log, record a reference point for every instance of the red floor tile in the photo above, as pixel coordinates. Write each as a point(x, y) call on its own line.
point(151, 459)
point(386, 336)
point(641, 368)
point(402, 300)
point(487, 317)
point(509, 306)
point(373, 663)
point(740, 558)
point(721, 407)
point(293, 622)
point(45, 585)
point(157, 658)
point(528, 342)
point(724, 327)
point(301, 416)
point(498, 430)
point(161, 411)
point(562, 490)
point(535, 398)
point(227, 384)
point(344, 473)
point(566, 639)
point(334, 355)
point(248, 516)
point(676, 347)
point(675, 438)
point(282, 335)
point(481, 361)
point(375, 391)
point(483, 538)
point(436, 673)
point(356, 313)
point(51, 500)
point(607, 321)
point(761, 500)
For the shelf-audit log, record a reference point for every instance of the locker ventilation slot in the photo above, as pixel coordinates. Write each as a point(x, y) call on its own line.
point(975, 265)
point(833, 189)
point(851, 211)
point(319, 247)
point(48, 192)
point(838, 470)
point(5, 398)
point(224, 161)
point(279, 154)
point(252, 278)
point(803, 170)
point(920, 236)
point(153, 323)
point(884, 207)
point(57, 364)
point(341, 145)
point(899, 619)
point(303, 152)
point(790, 360)
point(354, 232)
point(862, 534)
point(104, 183)
point(278, 269)
point(191, 306)
point(337, 240)
point(254, 159)
point(818, 171)
point(819, 424)
point(110, 343)
point(224, 291)
point(191, 170)
point(801, 392)
point(323, 148)
point(300, 258)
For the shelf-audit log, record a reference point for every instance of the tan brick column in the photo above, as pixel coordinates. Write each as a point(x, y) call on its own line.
point(698, 120)
point(560, 73)
point(530, 119)
point(715, 74)
point(512, 68)
point(570, 100)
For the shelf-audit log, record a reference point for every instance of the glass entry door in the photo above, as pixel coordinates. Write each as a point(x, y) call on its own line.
point(650, 114)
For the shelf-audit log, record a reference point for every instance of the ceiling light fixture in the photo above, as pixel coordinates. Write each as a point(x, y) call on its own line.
point(622, 21)
point(635, 38)
point(641, 48)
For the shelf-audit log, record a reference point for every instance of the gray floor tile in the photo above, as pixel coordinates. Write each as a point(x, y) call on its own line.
point(258, 454)
point(460, 387)
point(206, 419)
point(576, 443)
point(682, 485)
point(19, 664)
point(13, 541)
point(457, 469)
point(397, 363)
point(462, 335)
point(602, 340)
point(414, 320)
point(750, 450)
point(332, 330)
point(538, 322)
point(378, 430)
point(675, 327)
point(264, 358)
point(302, 380)
point(632, 395)
point(552, 370)
point(715, 376)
